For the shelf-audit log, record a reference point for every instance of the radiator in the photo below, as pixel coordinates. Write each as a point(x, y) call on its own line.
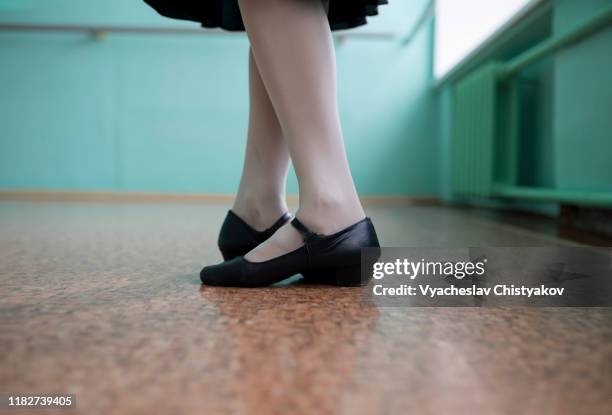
point(474, 133)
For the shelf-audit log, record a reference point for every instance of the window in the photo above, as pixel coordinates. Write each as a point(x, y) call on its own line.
point(463, 25)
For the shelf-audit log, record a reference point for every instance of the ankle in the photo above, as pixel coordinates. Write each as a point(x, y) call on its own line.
point(326, 214)
point(259, 212)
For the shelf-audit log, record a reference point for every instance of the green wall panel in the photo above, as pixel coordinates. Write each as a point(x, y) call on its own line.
point(583, 103)
point(169, 113)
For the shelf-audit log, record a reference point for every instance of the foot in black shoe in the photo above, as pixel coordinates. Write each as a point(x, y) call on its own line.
point(336, 258)
point(237, 237)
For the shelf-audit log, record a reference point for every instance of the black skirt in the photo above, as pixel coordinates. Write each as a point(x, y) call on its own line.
point(343, 14)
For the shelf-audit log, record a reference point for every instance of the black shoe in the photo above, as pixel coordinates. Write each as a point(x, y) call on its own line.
point(236, 237)
point(333, 259)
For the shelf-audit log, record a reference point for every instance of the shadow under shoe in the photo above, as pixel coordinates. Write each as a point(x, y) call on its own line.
point(332, 259)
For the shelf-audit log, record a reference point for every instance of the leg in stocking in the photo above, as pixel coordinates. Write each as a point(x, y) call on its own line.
point(293, 47)
point(261, 196)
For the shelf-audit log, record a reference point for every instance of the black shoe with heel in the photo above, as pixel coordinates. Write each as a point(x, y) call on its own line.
point(331, 259)
point(237, 237)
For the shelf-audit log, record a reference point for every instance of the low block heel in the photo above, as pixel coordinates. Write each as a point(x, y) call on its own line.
point(349, 277)
point(326, 277)
point(342, 277)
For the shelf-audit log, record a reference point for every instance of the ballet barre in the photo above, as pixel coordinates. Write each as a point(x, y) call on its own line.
point(100, 32)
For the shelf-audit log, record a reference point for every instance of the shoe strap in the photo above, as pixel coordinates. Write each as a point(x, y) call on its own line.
point(307, 236)
point(306, 233)
point(286, 217)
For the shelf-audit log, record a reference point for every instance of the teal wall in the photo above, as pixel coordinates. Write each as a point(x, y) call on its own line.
point(583, 102)
point(167, 113)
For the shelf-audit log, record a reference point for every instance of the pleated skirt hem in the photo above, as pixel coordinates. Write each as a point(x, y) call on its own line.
point(225, 14)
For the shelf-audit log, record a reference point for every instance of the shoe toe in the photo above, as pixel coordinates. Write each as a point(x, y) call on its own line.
point(226, 273)
point(206, 275)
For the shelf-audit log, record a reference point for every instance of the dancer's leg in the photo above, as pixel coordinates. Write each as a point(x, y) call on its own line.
point(261, 196)
point(293, 47)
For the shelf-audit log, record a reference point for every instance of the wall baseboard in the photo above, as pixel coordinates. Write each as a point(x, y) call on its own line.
point(150, 197)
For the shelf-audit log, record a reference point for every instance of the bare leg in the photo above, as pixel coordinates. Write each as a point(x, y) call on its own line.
point(261, 196)
point(293, 47)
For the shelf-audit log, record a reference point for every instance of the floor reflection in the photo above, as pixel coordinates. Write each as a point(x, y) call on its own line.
point(298, 338)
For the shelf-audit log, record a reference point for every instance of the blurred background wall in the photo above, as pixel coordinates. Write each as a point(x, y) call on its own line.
point(583, 102)
point(168, 113)
point(563, 125)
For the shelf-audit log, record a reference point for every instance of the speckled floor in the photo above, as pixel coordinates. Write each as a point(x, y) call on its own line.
point(103, 301)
